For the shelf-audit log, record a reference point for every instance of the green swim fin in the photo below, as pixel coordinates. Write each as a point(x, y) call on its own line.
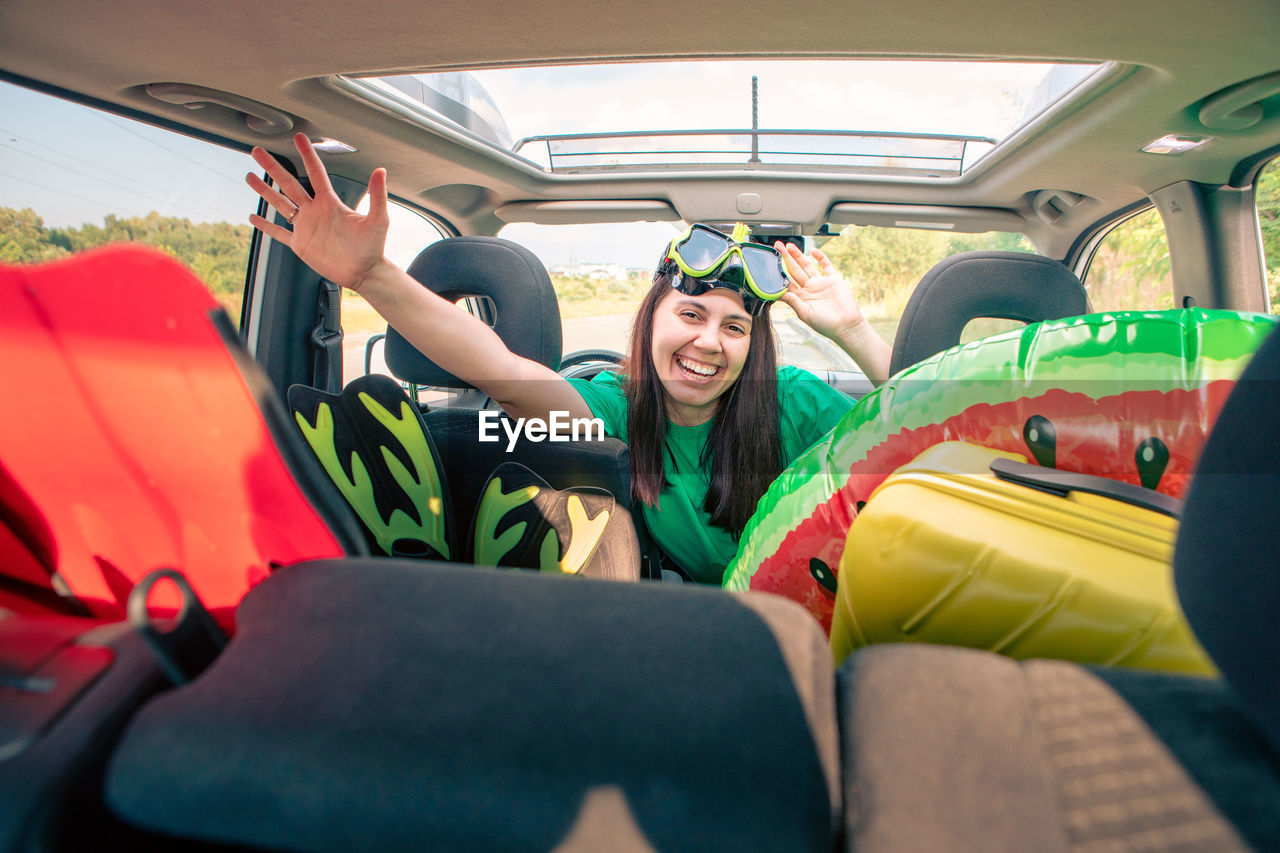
point(522, 522)
point(372, 443)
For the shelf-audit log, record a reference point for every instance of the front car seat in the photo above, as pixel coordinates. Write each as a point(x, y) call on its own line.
point(509, 280)
point(1010, 285)
point(526, 316)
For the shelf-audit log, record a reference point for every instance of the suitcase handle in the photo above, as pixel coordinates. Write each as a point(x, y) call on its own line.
point(1061, 483)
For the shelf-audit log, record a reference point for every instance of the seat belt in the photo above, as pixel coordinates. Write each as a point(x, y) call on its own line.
point(326, 339)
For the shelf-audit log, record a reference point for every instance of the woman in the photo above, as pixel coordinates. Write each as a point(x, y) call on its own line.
point(710, 418)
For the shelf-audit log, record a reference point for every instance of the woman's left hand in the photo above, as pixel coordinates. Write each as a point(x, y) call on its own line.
point(818, 293)
point(824, 300)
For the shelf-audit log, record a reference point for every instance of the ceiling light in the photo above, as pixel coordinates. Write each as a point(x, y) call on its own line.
point(331, 146)
point(1176, 143)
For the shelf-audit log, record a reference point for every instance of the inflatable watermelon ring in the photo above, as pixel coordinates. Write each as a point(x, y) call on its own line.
point(1125, 395)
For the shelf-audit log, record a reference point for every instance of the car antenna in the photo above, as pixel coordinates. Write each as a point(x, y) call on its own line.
point(755, 120)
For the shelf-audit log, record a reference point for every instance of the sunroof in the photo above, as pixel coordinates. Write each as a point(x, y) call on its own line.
point(886, 117)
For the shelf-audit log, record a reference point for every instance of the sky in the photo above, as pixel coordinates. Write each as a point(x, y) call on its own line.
point(73, 165)
point(975, 99)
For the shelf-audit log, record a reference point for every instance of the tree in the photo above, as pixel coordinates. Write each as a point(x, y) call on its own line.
point(25, 240)
point(217, 252)
point(1131, 268)
point(884, 264)
point(1268, 194)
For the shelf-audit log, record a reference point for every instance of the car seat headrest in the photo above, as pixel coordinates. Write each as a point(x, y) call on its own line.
point(510, 276)
point(1226, 567)
point(1011, 285)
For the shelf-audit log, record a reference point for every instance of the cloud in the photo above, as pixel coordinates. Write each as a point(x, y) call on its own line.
point(921, 97)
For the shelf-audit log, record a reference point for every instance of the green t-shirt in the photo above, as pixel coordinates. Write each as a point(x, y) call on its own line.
point(808, 409)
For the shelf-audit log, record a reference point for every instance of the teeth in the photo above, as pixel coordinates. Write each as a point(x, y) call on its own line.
point(700, 369)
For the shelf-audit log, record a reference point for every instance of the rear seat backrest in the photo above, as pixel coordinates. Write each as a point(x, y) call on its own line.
point(1226, 569)
point(497, 711)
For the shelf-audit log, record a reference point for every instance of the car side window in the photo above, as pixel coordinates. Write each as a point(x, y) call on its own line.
point(1130, 269)
point(73, 177)
point(1268, 197)
point(410, 232)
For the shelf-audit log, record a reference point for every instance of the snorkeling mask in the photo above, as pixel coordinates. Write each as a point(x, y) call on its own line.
point(709, 258)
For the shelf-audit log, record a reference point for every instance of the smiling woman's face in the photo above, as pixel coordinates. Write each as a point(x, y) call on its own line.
point(700, 345)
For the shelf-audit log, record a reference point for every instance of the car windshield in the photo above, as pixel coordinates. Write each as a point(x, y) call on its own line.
point(601, 272)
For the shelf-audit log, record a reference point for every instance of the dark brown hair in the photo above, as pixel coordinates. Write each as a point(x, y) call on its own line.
point(744, 448)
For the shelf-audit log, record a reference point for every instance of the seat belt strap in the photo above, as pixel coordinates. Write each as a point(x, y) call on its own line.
point(326, 339)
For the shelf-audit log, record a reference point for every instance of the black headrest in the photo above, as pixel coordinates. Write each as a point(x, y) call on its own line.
point(1226, 563)
point(1013, 285)
point(512, 277)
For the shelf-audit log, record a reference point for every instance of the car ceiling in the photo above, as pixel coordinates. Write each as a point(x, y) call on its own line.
point(282, 53)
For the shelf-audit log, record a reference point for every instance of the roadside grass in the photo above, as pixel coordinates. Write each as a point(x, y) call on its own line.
point(358, 316)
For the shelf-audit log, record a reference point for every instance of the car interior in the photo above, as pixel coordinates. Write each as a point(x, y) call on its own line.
point(257, 582)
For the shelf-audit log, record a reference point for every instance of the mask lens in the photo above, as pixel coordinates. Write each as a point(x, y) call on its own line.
point(688, 285)
point(703, 249)
point(766, 269)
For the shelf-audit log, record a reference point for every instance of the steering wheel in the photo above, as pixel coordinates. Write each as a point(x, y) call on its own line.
point(586, 363)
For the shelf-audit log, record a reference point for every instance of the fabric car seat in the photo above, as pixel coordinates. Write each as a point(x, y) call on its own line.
point(381, 706)
point(139, 435)
point(949, 748)
point(1010, 285)
point(526, 316)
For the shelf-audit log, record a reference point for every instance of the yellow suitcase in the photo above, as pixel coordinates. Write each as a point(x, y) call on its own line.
point(946, 551)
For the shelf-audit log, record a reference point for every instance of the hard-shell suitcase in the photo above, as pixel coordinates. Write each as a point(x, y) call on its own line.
point(973, 547)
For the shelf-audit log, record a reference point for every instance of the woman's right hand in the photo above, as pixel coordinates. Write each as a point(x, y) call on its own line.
point(347, 248)
point(331, 238)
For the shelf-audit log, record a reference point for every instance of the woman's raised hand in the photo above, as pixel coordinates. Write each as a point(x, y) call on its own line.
point(331, 238)
point(818, 293)
point(824, 300)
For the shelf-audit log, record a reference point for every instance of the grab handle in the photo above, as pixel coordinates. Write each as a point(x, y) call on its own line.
point(1240, 106)
point(259, 117)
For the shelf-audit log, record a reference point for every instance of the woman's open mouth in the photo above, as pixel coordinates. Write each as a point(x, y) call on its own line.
point(697, 371)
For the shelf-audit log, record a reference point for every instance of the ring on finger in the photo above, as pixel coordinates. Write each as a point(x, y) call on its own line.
point(288, 217)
